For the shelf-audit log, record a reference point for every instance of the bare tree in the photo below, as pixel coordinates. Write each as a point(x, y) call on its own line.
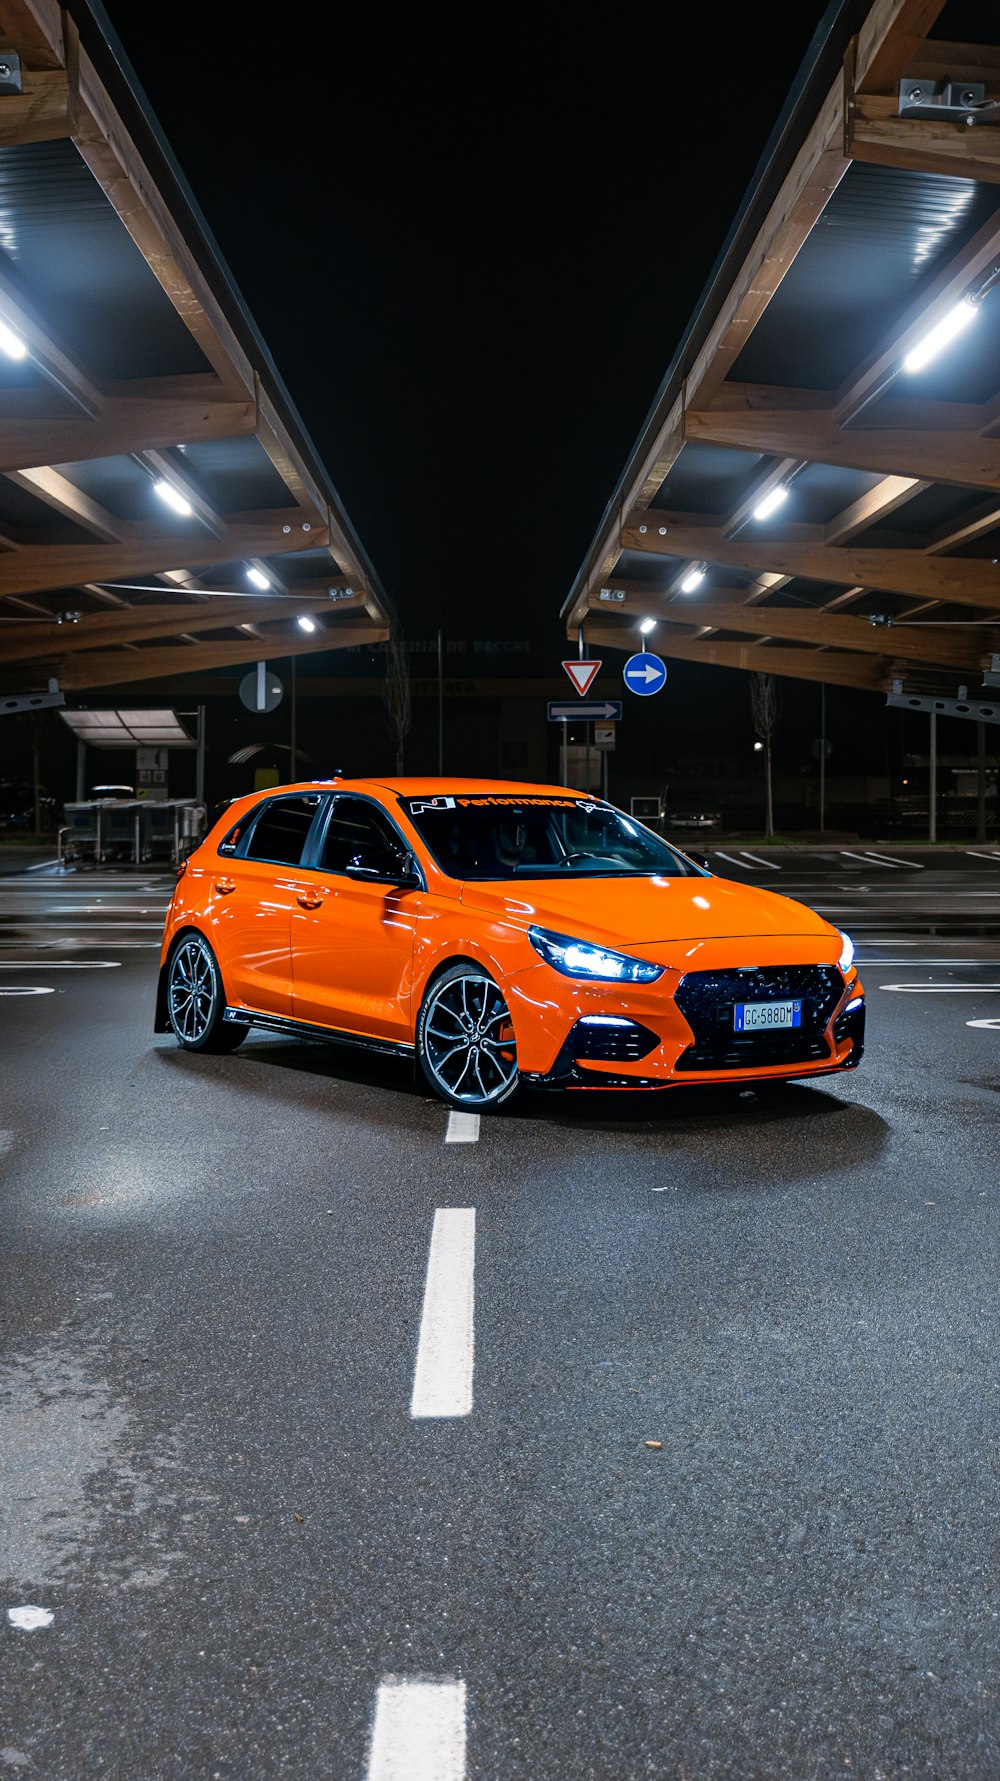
point(765, 707)
point(398, 709)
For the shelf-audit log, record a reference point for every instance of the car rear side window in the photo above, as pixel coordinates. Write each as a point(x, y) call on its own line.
point(279, 834)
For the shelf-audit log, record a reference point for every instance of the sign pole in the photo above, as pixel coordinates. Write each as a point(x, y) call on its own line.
point(822, 758)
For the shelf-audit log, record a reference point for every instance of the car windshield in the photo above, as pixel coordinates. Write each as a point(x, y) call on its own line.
point(485, 835)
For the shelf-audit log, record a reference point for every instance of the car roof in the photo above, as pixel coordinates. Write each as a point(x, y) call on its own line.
point(437, 786)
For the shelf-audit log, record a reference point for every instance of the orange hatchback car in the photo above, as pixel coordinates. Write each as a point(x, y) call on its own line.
point(502, 933)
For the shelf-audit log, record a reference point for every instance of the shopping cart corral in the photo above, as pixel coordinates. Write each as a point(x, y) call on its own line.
point(131, 830)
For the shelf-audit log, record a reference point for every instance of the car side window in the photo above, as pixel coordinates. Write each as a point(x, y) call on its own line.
point(280, 831)
point(358, 831)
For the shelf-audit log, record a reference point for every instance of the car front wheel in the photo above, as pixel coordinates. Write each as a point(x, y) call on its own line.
point(465, 1040)
point(196, 1002)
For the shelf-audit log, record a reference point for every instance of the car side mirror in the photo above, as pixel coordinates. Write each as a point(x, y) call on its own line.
point(700, 859)
point(384, 868)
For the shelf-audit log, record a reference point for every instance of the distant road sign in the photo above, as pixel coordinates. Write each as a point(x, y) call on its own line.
point(645, 674)
point(260, 690)
point(582, 673)
point(604, 736)
point(564, 711)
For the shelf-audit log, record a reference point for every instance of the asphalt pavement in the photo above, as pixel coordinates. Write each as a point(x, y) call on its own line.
point(612, 1437)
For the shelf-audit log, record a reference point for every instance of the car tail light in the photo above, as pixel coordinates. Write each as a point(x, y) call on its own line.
point(182, 868)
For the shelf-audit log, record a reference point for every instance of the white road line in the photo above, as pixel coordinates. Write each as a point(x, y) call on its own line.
point(891, 860)
point(463, 1128)
point(941, 989)
point(419, 1732)
point(19, 991)
point(912, 964)
point(758, 862)
point(728, 856)
point(993, 1024)
point(442, 1380)
point(60, 964)
point(982, 856)
point(867, 859)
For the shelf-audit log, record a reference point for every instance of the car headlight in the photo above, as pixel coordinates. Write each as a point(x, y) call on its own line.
point(846, 958)
point(578, 958)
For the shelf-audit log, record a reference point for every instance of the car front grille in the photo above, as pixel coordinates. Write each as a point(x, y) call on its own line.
point(707, 999)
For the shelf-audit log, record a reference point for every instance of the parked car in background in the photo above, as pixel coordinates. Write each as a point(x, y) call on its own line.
point(110, 793)
point(17, 805)
point(693, 817)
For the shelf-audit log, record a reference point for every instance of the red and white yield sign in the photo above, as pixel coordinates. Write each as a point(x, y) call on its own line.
point(582, 674)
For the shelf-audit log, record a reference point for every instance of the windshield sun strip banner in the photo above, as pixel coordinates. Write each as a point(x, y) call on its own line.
point(496, 801)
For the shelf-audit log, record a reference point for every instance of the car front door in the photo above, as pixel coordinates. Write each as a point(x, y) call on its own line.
point(254, 891)
point(352, 949)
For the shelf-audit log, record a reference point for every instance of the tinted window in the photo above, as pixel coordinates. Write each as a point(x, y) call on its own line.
point(358, 833)
point(281, 829)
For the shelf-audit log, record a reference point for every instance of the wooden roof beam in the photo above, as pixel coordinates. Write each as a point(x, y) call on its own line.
point(870, 672)
point(138, 624)
point(63, 496)
point(744, 418)
point(967, 581)
point(95, 668)
point(148, 551)
point(126, 424)
point(799, 624)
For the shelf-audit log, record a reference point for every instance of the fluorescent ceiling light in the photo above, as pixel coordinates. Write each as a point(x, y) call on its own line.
point(173, 497)
point(771, 502)
point(940, 336)
point(306, 623)
point(11, 343)
point(692, 579)
point(259, 579)
point(648, 624)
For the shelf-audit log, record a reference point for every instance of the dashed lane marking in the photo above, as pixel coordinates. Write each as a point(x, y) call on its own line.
point(442, 1380)
point(463, 1128)
point(419, 1731)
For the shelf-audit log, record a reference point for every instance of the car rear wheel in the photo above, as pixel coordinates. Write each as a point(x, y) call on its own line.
point(465, 1040)
point(196, 1002)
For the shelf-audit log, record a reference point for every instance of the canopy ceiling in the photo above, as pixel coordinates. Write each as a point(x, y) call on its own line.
point(140, 367)
point(862, 230)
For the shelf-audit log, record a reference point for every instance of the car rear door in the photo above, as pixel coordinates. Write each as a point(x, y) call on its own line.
point(254, 893)
point(352, 939)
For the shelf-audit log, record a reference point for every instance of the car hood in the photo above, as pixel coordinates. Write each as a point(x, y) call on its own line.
point(630, 912)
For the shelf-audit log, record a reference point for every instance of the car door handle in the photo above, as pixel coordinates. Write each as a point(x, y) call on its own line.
point(224, 886)
point(309, 900)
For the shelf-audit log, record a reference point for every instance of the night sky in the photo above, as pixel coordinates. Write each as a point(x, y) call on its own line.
point(471, 250)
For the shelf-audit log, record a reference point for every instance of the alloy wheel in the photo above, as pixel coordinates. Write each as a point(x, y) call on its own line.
point(191, 991)
point(467, 1041)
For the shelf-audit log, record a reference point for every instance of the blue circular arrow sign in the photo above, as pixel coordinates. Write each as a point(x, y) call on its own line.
point(645, 674)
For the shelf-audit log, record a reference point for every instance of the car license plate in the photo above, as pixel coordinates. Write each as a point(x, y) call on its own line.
point(760, 1017)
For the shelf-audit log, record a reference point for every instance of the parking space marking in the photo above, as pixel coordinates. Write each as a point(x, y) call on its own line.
point(419, 1731)
point(728, 856)
point(20, 991)
point(770, 864)
point(463, 1128)
point(993, 1024)
point(890, 859)
point(442, 1380)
